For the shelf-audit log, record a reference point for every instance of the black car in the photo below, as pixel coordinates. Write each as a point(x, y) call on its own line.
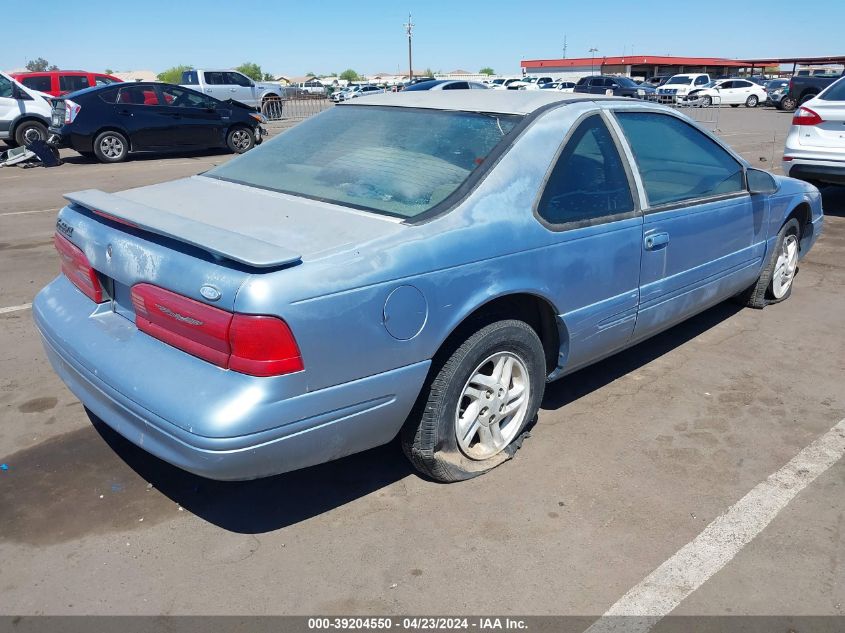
point(621, 86)
point(109, 122)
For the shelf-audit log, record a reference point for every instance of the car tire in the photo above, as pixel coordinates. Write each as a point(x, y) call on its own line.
point(28, 131)
point(240, 139)
point(111, 147)
point(707, 101)
point(775, 282)
point(752, 101)
point(788, 104)
point(451, 402)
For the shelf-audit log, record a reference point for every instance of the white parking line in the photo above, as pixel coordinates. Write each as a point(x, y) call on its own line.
point(54, 210)
point(668, 585)
point(23, 306)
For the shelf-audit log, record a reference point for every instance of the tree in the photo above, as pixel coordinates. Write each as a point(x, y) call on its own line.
point(349, 75)
point(37, 65)
point(251, 70)
point(269, 77)
point(173, 75)
point(109, 71)
point(487, 71)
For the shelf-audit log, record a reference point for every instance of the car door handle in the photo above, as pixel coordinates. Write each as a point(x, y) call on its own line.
point(233, 89)
point(656, 241)
point(208, 90)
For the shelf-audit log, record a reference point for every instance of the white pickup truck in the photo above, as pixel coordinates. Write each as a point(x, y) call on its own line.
point(231, 84)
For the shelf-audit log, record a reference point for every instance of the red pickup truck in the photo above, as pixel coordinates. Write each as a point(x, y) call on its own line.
point(61, 82)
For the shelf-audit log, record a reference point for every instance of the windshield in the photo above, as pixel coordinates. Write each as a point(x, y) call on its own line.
point(393, 161)
point(679, 79)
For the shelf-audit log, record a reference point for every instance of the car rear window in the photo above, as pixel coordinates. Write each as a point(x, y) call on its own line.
point(393, 161)
point(836, 92)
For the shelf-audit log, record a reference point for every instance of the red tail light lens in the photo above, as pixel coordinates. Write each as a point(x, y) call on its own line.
point(805, 116)
point(77, 268)
point(71, 110)
point(192, 326)
point(249, 344)
point(263, 346)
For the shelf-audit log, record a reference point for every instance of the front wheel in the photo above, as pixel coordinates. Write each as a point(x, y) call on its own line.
point(775, 282)
point(470, 417)
point(707, 102)
point(240, 139)
point(752, 101)
point(788, 104)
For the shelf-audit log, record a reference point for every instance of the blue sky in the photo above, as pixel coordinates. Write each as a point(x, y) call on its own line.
point(329, 36)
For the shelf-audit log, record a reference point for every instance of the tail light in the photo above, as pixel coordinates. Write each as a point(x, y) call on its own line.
point(250, 344)
point(71, 110)
point(805, 116)
point(77, 268)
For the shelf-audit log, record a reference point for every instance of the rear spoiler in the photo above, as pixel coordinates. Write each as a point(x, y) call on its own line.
point(213, 239)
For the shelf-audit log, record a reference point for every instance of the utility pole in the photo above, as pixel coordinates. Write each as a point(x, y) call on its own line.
point(593, 52)
point(409, 28)
point(564, 45)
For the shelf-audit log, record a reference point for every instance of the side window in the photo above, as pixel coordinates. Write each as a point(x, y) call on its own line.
point(725, 85)
point(742, 84)
point(190, 77)
point(215, 78)
point(458, 85)
point(72, 83)
point(678, 162)
point(5, 88)
point(588, 181)
point(44, 84)
point(583, 81)
point(109, 96)
point(181, 98)
point(238, 79)
point(137, 95)
point(102, 80)
point(700, 81)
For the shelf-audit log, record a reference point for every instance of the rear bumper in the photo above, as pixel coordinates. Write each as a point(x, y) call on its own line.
point(312, 428)
point(830, 172)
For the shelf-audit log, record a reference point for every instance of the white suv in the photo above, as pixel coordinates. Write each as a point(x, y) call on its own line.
point(24, 113)
point(678, 86)
point(815, 144)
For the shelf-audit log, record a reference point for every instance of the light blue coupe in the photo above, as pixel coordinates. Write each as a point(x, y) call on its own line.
point(417, 263)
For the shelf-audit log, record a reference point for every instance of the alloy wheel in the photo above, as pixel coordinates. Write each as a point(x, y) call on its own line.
point(785, 266)
point(492, 406)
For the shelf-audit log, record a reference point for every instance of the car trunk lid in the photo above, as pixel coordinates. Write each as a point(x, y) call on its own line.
point(830, 134)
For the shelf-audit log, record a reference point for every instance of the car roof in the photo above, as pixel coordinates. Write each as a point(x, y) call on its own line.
point(493, 101)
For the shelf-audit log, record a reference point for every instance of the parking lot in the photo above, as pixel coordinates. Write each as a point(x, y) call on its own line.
point(629, 462)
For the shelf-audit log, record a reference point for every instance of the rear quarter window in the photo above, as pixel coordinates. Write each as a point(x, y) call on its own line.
point(108, 96)
point(43, 84)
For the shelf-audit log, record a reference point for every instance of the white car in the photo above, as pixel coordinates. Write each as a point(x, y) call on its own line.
point(508, 84)
point(677, 87)
point(732, 92)
point(535, 83)
point(815, 144)
point(24, 113)
point(563, 86)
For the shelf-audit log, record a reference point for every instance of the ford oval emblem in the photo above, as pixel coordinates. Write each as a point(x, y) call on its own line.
point(210, 292)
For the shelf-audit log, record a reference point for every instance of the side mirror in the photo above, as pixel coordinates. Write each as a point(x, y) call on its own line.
point(760, 181)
